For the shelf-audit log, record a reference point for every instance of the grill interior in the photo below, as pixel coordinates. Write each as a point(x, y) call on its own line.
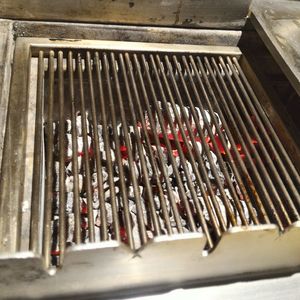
point(143, 144)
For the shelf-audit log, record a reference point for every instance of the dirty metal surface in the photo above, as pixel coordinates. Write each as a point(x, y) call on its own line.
point(193, 14)
point(278, 23)
point(150, 34)
point(6, 56)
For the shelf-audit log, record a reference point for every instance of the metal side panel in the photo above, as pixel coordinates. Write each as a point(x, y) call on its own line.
point(13, 162)
point(73, 44)
point(7, 45)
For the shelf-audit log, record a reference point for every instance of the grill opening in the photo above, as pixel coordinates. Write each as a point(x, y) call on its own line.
point(137, 145)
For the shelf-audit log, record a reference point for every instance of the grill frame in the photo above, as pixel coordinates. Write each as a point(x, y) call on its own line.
point(233, 236)
point(26, 48)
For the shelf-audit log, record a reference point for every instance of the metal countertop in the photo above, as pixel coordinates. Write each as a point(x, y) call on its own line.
point(278, 23)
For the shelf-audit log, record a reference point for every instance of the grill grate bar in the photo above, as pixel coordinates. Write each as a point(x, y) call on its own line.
point(146, 179)
point(245, 133)
point(224, 144)
point(260, 163)
point(240, 163)
point(103, 227)
point(157, 143)
point(38, 138)
point(136, 191)
point(159, 115)
point(182, 157)
point(76, 199)
point(88, 182)
point(116, 224)
point(200, 165)
point(261, 187)
point(62, 175)
point(225, 199)
point(49, 166)
point(260, 117)
point(266, 156)
point(198, 154)
point(117, 155)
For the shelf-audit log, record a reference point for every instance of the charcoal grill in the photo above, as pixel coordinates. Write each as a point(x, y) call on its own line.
point(142, 160)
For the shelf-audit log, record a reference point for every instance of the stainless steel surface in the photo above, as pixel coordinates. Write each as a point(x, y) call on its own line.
point(45, 43)
point(150, 34)
point(49, 164)
point(75, 150)
point(267, 178)
point(7, 49)
point(188, 13)
point(241, 253)
point(277, 22)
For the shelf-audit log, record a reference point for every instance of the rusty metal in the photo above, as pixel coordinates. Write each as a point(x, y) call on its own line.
point(241, 165)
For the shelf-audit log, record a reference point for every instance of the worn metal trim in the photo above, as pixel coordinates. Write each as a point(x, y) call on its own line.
point(47, 44)
point(168, 35)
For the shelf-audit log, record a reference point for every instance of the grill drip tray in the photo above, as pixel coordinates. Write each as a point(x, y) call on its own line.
point(153, 163)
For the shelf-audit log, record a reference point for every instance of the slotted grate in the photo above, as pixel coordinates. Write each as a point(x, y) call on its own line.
point(143, 144)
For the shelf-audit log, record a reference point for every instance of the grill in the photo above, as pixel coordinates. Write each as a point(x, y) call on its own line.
point(143, 144)
point(129, 166)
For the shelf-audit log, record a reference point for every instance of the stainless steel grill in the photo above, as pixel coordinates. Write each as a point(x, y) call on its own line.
point(136, 157)
point(180, 138)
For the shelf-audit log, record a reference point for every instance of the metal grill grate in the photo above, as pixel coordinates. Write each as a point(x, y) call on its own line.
point(143, 144)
